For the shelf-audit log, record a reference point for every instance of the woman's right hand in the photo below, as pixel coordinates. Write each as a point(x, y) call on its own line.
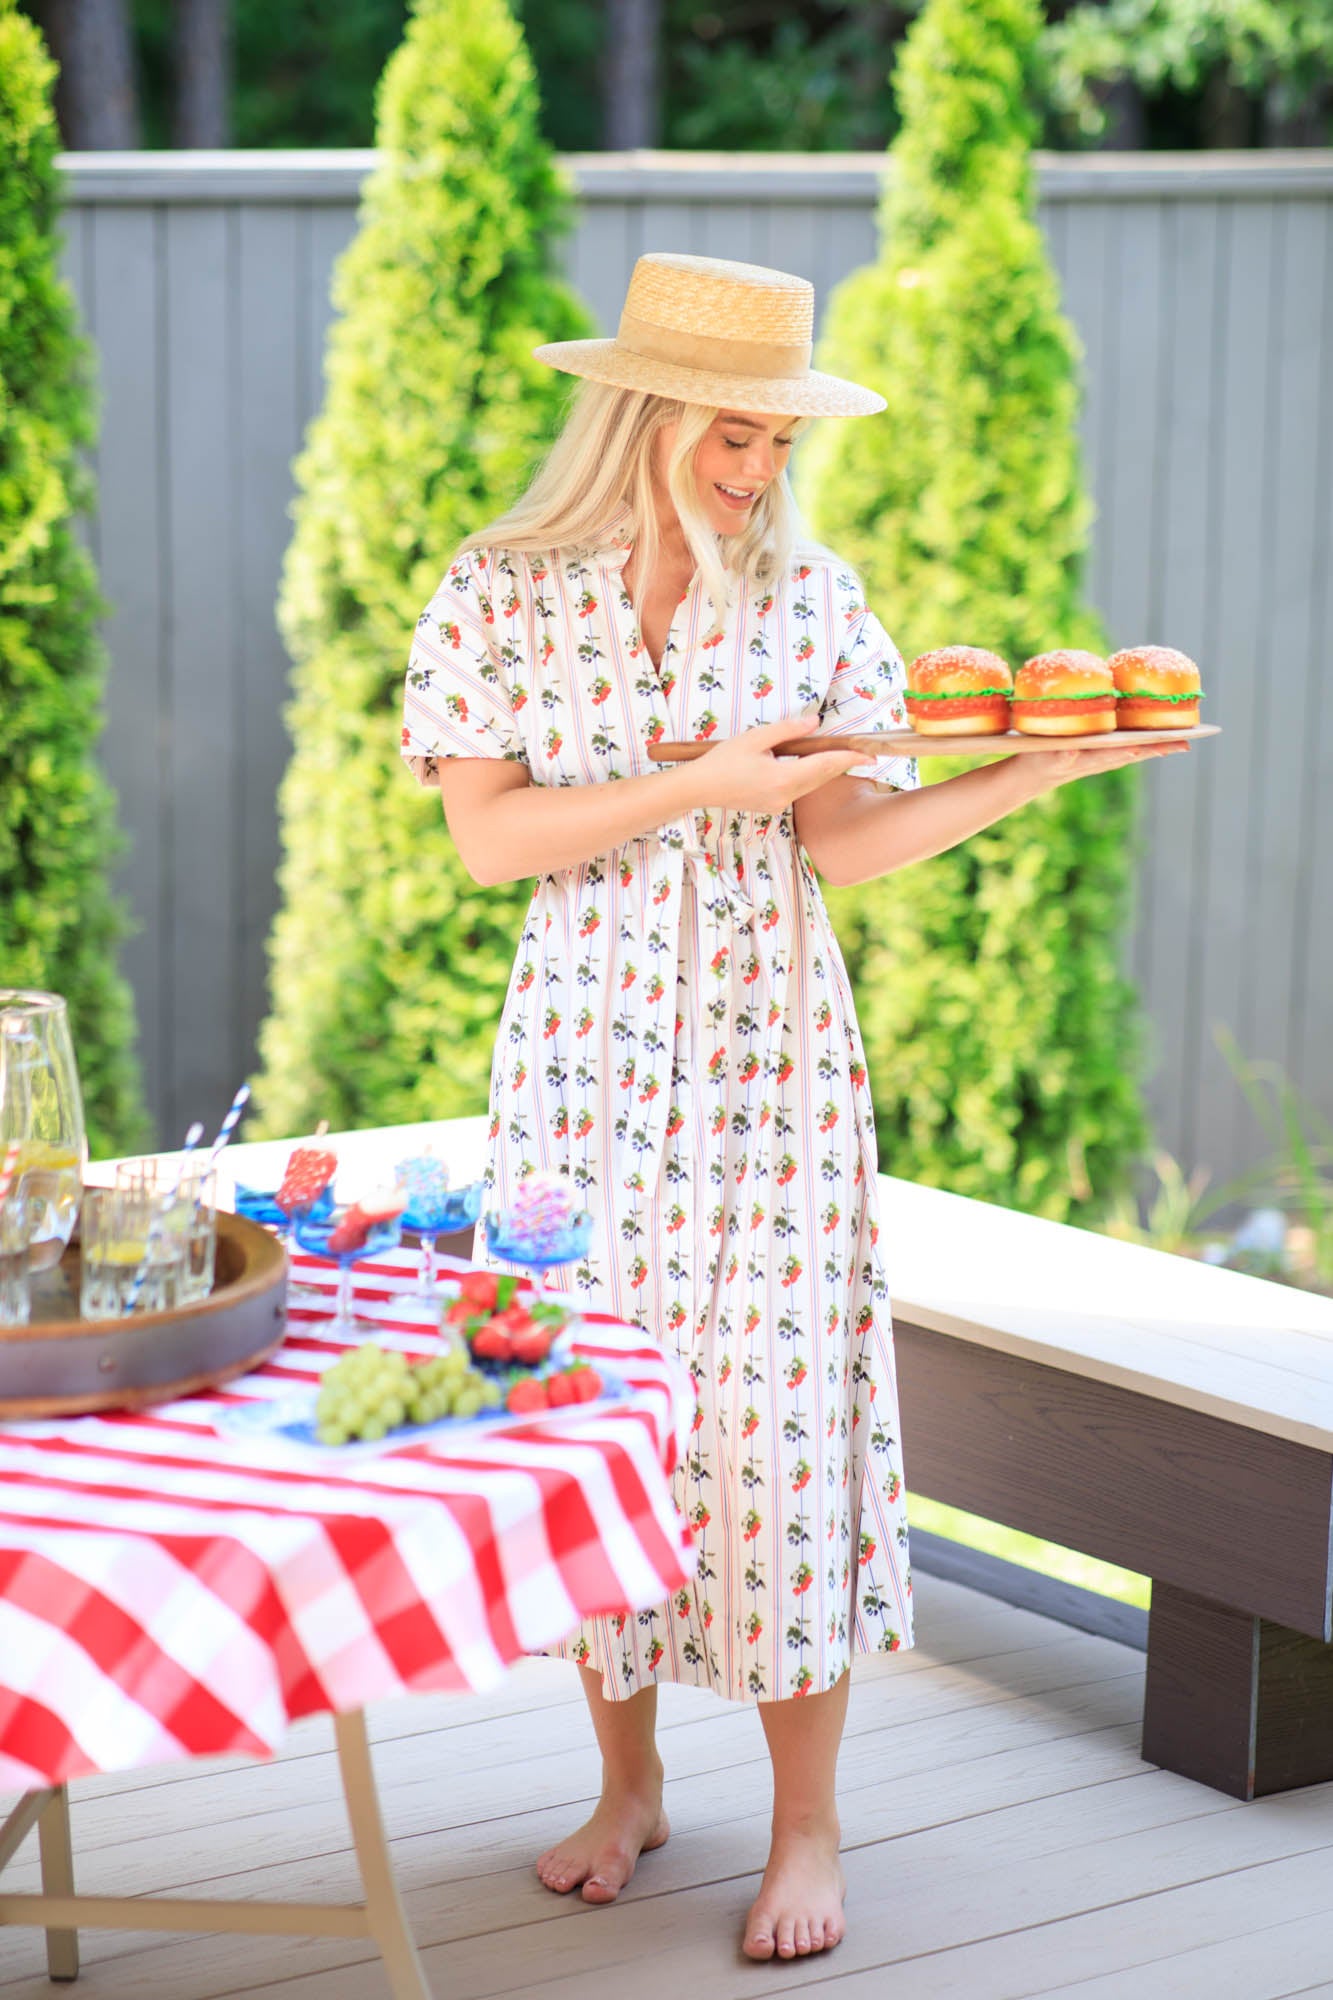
point(743, 772)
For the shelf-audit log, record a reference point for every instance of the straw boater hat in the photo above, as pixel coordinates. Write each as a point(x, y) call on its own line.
point(704, 330)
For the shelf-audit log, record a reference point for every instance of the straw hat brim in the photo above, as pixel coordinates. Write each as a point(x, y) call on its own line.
point(807, 395)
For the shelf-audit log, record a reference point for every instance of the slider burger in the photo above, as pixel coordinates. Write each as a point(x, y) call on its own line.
point(959, 691)
point(1158, 688)
point(1064, 694)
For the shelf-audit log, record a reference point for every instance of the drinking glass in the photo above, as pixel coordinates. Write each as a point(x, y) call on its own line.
point(15, 1228)
point(313, 1232)
point(452, 1208)
point(539, 1253)
point(41, 1107)
point(184, 1194)
point(121, 1234)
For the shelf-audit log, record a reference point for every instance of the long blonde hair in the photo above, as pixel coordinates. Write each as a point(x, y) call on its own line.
point(602, 462)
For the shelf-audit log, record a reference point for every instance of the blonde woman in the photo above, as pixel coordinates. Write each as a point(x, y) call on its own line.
point(679, 1035)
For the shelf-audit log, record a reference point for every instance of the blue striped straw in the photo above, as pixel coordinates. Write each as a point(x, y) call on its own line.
point(228, 1125)
point(157, 1229)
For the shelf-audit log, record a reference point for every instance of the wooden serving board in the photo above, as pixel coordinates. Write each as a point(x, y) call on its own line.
point(60, 1364)
point(908, 743)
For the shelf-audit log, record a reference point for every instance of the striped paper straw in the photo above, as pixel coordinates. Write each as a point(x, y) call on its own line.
point(157, 1228)
point(229, 1124)
point(8, 1168)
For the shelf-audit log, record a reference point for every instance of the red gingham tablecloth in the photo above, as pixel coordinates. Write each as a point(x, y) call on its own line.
point(167, 1592)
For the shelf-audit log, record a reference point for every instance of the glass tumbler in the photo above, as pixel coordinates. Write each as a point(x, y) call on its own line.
point(183, 1193)
point(130, 1262)
point(15, 1230)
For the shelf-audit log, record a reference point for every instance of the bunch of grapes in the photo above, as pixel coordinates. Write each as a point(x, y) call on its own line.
point(372, 1390)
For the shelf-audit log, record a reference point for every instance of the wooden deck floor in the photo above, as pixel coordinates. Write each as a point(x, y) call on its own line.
point(1002, 1837)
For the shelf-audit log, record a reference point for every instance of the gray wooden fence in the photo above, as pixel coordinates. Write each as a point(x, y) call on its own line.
point(1202, 288)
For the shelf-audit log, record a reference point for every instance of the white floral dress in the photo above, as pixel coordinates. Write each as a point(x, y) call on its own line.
point(679, 1037)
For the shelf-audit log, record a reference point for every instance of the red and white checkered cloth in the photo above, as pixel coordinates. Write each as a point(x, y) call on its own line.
point(166, 1592)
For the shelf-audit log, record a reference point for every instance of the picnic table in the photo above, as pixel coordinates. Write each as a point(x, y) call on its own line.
point(171, 1591)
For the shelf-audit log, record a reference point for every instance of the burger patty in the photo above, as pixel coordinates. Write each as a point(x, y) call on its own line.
point(959, 704)
point(1071, 705)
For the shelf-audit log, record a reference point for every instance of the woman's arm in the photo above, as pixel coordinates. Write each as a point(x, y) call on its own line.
point(506, 828)
point(853, 832)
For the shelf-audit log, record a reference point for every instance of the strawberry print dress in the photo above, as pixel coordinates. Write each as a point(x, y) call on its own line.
point(679, 1037)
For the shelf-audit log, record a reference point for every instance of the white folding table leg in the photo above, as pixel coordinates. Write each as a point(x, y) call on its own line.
point(384, 1908)
point(57, 1852)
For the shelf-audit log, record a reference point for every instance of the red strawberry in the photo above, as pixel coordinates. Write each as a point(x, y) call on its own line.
point(587, 1383)
point(492, 1344)
point(530, 1344)
point(478, 1288)
point(309, 1171)
point(561, 1389)
point(525, 1396)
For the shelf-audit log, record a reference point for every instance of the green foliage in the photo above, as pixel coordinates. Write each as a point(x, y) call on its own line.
point(389, 964)
point(1279, 52)
point(59, 926)
point(1002, 1040)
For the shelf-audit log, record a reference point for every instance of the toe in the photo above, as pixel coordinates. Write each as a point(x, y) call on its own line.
point(758, 1936)
point(816, 1934)
point(786, 1940)
point(801, 1937)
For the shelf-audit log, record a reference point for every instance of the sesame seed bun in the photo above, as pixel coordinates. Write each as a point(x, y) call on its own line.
point(1165, 682)
point(1064, 693)
point(959, 691)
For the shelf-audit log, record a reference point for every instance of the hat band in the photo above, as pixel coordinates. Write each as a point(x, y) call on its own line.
point(758, 358)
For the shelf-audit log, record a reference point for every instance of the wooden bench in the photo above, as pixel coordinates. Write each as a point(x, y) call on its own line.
point(1161, 1414)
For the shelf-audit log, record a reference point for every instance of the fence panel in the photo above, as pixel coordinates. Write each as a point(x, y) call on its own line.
point(1202, 291)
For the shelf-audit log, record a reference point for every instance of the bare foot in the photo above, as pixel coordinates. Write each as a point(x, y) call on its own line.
point(799, 1906)
point(602, 1852)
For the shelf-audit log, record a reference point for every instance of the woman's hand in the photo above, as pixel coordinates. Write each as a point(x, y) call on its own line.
point(743, 772)
point(1052, 768)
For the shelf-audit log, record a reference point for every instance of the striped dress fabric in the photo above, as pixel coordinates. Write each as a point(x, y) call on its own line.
point(679, 1038)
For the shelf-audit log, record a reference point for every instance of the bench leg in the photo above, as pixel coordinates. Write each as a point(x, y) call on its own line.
point(1235, 1701)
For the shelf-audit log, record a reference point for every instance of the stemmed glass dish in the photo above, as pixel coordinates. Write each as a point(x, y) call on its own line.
point(439, 1213)
point(41, 1107)
point(539, 1250)
point(314, 1233)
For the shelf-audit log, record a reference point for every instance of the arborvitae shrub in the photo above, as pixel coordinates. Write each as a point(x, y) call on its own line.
point(389, 963)
point(59, 924)
point(1004, 1044)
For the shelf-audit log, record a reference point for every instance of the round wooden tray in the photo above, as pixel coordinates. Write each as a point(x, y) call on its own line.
point(61, 1365)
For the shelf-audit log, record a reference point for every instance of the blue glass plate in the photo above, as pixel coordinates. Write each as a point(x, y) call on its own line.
point(290, 1420)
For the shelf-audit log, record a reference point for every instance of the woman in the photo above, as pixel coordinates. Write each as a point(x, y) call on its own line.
point(679, 1035)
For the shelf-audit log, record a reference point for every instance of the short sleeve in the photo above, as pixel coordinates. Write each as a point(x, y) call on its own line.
point(456, 702)
point(868, 684)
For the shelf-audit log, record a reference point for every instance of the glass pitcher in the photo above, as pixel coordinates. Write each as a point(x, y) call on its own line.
point(41, 1107)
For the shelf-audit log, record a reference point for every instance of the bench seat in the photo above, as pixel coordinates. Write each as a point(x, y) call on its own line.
point(1161, 1414)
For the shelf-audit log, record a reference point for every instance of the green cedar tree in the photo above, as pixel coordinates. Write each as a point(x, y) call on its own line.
point(59, 923)
point(1004, 1045)
point(389, 963)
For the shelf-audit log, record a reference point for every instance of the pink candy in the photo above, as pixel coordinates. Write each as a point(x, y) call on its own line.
point(543, 1205)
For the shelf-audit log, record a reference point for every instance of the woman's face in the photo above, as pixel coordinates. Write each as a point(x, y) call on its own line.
point(738, 456)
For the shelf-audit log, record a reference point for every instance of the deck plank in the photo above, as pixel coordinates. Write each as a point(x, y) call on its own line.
point(1002, 1836)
